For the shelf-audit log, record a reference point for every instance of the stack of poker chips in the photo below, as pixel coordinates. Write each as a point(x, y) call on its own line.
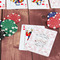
point(8, 26)
point(2, 33)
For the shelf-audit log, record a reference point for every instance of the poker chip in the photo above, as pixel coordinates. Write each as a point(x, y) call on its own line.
point(51, 14)
point(0, 24)
point(2, 34)
point(9, 27)
point(54, 22)
point(13, 16)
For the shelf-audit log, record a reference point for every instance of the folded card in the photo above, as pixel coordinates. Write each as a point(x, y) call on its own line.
point(41, 41)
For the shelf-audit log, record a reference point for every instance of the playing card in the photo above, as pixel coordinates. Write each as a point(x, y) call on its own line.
point(38, 4)
point(2, 4)
point(26, 32)
point(41, 41)
point(55, 3)
point(16, 4)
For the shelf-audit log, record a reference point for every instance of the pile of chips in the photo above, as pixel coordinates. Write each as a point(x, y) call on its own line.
point(53, 20)
point(8, 26)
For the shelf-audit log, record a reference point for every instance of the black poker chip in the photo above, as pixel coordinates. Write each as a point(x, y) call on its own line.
point(2, 34)
point(0, 24)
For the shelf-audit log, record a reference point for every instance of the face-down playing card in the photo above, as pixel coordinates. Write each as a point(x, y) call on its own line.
point(26, 32)
point(2, 4)
point(16, 4)
point(38, 4)
point(41, 41)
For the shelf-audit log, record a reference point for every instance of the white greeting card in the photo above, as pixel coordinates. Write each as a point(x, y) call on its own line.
point(26, 31)
point(2, 4)
point(41, 41)
point(55, 3)
point(16, 4)
point(38, 4)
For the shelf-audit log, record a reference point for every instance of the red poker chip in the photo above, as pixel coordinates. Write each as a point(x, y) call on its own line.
point(4, 18)
point(15, 17)
point(54, 22)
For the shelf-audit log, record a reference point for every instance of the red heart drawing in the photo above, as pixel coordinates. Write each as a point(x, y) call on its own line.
point(0, 2)
point(23, 27)
point(43, 4)
point(0, 6)
point(25, 4)
point(22, 4)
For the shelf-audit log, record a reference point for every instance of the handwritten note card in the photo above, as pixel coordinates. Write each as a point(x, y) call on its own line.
point(55, 3)
point(41, 41)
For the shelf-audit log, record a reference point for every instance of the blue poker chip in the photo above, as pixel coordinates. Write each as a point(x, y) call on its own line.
point(51, 14)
